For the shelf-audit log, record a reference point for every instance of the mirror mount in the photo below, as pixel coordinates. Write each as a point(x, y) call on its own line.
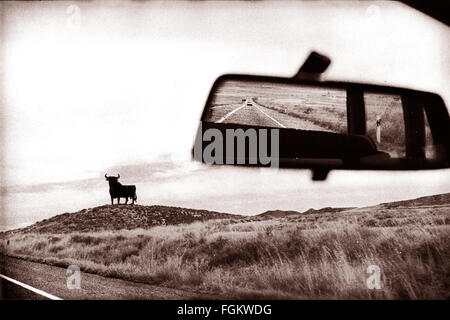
point(319, 174)
point(313, 67)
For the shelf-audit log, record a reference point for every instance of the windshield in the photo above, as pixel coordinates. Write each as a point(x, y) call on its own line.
point(76, 105)
point(99, 109)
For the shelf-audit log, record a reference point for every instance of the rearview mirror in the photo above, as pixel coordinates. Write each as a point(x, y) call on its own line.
point(289, 123)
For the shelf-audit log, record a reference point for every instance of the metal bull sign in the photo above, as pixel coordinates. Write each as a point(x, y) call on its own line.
point(117, 190)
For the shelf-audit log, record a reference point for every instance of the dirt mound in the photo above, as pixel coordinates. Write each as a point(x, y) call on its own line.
point(115, 217)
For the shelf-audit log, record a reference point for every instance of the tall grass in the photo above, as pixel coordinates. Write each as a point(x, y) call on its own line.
point(318, 256)
point(327, 111)
point(389, 109)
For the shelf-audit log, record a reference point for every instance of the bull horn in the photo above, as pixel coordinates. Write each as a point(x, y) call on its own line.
point(118, 175)
point(105, 175)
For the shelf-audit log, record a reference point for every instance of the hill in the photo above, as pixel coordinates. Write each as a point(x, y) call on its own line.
point(283, 213)
point(427, 201)
point(434, 200)
point(114, 217)
point(327, 210)
point(277, 214)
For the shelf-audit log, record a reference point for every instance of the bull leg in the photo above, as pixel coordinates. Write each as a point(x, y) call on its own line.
point(126, 200)
point(112, 200)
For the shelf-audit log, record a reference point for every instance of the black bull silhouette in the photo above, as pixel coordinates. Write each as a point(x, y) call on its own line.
point(117, 190)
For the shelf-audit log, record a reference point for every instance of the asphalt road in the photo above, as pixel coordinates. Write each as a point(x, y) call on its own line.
point(11, 291)
point(53, 280)
point(252, 113)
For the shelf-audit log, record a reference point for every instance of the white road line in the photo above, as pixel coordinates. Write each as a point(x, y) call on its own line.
point(42, 293)
point(230, 113)
point(257, 107)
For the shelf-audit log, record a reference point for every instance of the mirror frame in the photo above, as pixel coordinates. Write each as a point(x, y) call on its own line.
point(439, 122)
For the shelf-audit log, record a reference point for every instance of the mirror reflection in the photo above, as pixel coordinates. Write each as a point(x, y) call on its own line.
point(279, 105)
point(377, 122)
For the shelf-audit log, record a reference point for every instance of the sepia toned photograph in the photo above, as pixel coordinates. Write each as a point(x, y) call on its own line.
point(239, 151)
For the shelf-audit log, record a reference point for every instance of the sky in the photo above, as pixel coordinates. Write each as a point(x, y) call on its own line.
point(119, 87)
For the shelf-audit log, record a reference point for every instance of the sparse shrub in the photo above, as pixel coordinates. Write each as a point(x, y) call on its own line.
point(230, 254)
point(124, 254)
point(38, 246)
point(269, 230)
point(85, 239)
point(370, 223)
point(54, 239)
point(55, 249)
point(389, 223)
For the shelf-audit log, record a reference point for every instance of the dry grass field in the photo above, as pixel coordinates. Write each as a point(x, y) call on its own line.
point(317, 255)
